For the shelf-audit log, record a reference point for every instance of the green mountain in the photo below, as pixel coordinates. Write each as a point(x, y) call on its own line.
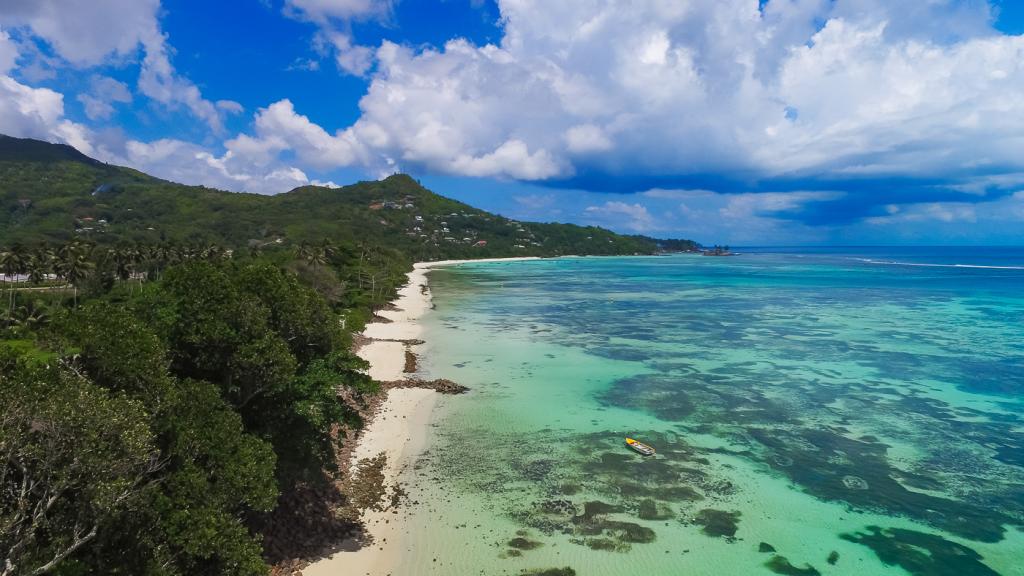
point(52, 192)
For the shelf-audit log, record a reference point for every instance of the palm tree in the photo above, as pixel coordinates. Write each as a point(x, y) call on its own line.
point(316, 257)
point(12, 263)
point(73, 265)
point(30, 317)
point(122, 259)
point(46, 256)
point(160, 256)
point(329, 249)
point(36, 268)
point(303, 250)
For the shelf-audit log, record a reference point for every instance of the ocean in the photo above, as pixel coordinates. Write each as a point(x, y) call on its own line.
point(815, 411)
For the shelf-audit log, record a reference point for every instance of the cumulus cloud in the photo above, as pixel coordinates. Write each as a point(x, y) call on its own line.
point(350, 57)
point(334, 20)
point(229, 106)
point(159, 81)
point(848, 89)
point(38, 113)
point(323, 11)
point(512, 158)
point(279, 127)
point(189, 163)
point(585, 138)
point(930, 211)
point(104, 92)
point(87, 34)
point(744, 206)
point(621, 215)
point(8, 52)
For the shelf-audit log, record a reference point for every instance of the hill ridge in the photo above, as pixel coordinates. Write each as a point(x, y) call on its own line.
point(52, 192)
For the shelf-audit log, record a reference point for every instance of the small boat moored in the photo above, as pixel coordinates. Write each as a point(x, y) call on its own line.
point(640, 447)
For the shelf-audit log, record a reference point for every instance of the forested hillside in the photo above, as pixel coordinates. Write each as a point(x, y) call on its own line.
point(52, 193)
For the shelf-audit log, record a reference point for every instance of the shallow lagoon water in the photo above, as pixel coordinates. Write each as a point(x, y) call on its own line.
point(814, 413)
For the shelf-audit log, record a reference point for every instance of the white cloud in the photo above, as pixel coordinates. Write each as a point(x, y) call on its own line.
point(512, 159)
point(323, 11)
point(350, 57)
point(8, 53)
point(621, 215)
point(248, 164)
point(229, 106)
point(279, 127)
point(585, 138)
point(87, 34)
point(37, 113)
point(334, 19)
point(103, 93)
point(191, 164)
point(946, 212)
point(159, 81)
point(744, 206)
point(688, 88)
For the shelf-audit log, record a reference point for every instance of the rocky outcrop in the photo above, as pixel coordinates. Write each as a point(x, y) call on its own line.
point(441, 385)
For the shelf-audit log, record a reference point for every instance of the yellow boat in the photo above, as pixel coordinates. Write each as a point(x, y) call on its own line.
point(640, 447)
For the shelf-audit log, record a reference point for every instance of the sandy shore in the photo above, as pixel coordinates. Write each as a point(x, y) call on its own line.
point(397, 429)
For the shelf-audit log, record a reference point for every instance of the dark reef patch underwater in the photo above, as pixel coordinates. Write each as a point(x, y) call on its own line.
point(921, 554)
point(811, 415)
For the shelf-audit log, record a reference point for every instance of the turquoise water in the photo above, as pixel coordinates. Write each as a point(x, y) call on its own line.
point(814, 412)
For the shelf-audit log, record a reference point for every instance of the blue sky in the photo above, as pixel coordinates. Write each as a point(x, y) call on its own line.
point(735, 121)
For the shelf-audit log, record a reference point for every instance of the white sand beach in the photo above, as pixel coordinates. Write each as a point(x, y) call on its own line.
point(397, 429)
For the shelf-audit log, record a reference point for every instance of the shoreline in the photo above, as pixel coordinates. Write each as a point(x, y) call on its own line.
point(397, 428)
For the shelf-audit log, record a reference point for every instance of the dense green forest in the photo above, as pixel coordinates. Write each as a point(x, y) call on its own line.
point(176, 373)
point(53, 193)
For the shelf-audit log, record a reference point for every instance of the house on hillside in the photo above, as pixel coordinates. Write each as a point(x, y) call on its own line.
point(480, 243)
point(376, 205)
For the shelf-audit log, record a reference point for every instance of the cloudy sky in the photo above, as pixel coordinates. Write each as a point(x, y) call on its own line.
point(736, 121)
